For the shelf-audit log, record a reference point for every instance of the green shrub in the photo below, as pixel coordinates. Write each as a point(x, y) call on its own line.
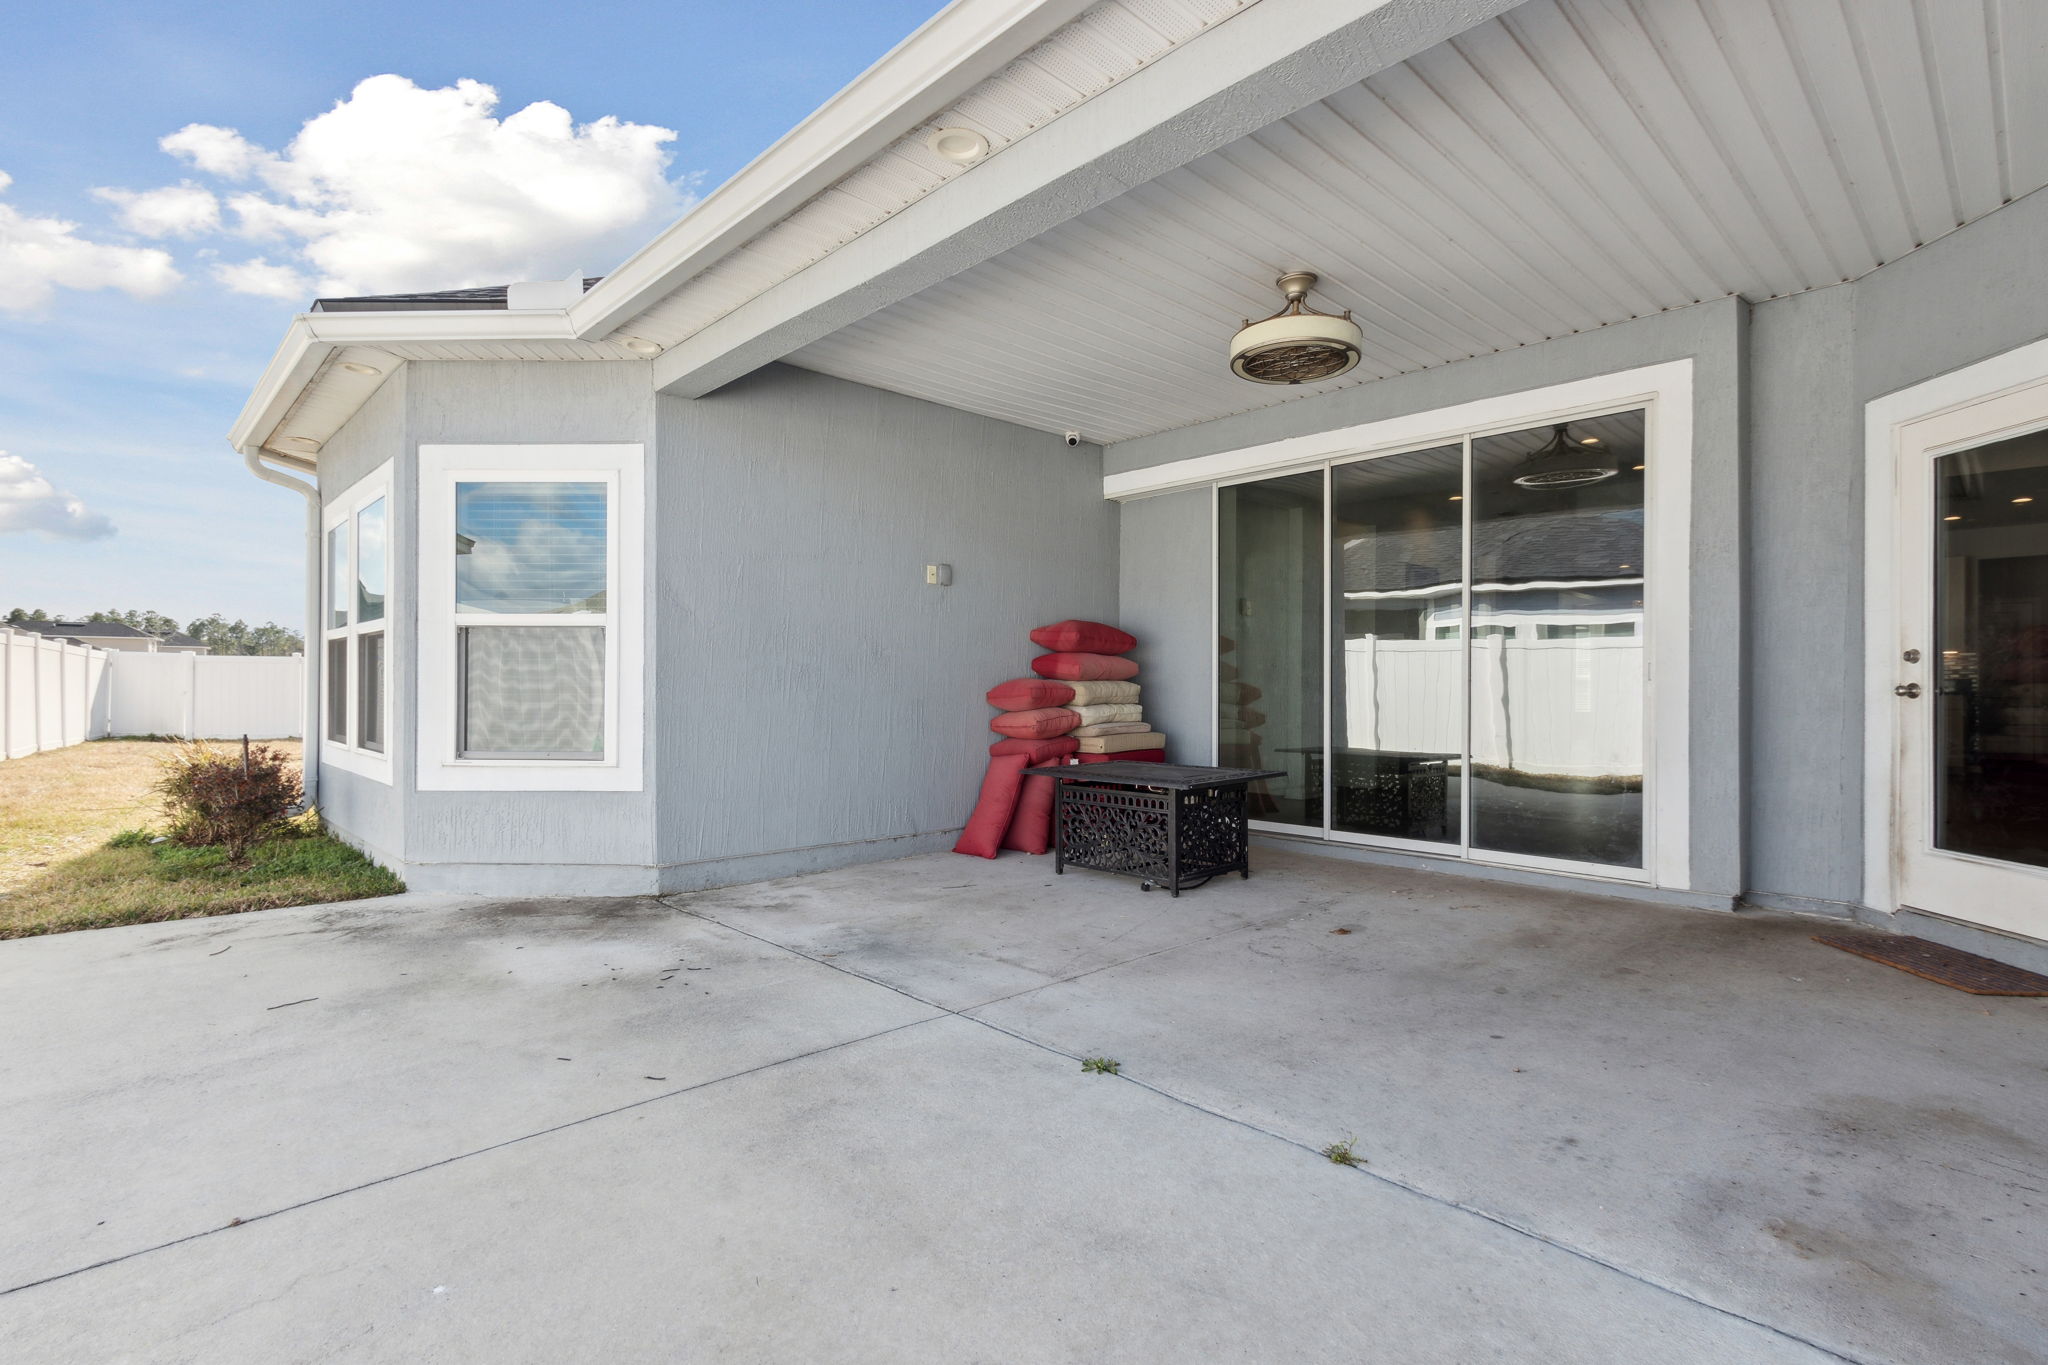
point(131, 838)
point(232, 800)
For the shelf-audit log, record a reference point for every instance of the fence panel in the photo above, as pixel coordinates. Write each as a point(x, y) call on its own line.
point(50, 692)
point(207, 696)
point(54, 694)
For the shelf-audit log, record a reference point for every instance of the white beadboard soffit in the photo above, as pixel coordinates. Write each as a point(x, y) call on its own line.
point(1571, 164)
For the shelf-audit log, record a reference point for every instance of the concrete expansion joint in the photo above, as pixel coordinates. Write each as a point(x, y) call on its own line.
point(1118, 1073)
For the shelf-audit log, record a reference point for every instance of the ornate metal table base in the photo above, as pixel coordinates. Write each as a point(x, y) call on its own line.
point(1165, 824)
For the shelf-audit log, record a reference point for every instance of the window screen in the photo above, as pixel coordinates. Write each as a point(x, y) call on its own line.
point(370, 692)
point(532, 692)
point(337, 689)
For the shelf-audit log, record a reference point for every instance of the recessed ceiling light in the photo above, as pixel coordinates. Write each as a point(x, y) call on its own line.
point(357, 367)
point(1638, 466)
point(961, 146)
point(2022, 499)
point(640, 345)
point(1457, 497)
point(1953, 516)
point(1589, 440)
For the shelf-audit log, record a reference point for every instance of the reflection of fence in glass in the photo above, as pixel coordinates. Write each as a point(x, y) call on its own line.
point(1566, 707)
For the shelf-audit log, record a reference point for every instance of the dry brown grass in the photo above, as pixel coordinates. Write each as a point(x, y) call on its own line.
point(61, 803)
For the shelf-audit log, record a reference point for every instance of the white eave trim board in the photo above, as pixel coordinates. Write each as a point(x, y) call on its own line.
point(955, 50)
point(313, 337)
point(1264, 63)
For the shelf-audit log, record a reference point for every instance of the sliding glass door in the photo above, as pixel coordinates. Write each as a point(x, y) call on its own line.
point(1444, 648)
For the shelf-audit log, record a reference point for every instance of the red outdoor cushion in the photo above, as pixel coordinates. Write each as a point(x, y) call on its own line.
point(1089, 637)
point(993, 809)
point(1031, 826)
point(1135, 756)
point(1036, 751)
point(1026, 694)
point(1045, 723)
point(1084, 667)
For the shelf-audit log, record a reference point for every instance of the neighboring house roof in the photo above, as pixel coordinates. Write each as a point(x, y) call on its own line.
point(181, 640)
point(83, 630)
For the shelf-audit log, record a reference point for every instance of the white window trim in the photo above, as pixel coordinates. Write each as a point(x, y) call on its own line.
point(620, 467)
point(341, 511)
point(1664, 392)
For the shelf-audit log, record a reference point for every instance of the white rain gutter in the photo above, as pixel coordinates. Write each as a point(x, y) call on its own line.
point(309, 741)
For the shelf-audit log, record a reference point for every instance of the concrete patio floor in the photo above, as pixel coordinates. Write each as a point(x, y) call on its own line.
point(841, 1118)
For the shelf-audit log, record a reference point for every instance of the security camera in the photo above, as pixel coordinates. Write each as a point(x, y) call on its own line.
point(1073, 438)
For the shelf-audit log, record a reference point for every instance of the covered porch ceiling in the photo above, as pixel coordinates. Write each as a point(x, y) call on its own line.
point(1567, 165)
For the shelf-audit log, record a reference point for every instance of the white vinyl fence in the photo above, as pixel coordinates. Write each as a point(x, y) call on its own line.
point(53, 694)
point(1569, 707)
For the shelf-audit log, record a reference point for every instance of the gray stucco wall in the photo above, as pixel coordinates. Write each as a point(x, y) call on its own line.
point(367, 812)
point(818, 702)
point(1164, 601)
point(1815, 360)
point(1710, 334)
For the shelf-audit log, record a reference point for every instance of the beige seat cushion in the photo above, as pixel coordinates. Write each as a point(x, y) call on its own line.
point(1108, 711)
point(1097, 693)
point(1111, 727)
point(1123, 744)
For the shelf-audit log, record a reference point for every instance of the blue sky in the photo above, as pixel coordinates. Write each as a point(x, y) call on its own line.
point(115, 400)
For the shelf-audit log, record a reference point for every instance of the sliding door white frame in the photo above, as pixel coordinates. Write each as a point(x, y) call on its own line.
point(1664, 392)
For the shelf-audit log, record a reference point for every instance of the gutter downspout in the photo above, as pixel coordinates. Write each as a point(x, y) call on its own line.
point(316, 658)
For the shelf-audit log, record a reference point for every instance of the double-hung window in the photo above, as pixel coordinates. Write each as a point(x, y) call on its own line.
point(530, 617)
point(356, 703)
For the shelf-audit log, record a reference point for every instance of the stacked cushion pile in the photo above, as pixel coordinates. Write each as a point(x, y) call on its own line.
point(1082, 707)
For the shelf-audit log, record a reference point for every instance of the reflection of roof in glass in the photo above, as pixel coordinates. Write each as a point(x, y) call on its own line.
point(1562, 545)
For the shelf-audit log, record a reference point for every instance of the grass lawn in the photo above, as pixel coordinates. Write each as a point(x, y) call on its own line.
point(58, 810)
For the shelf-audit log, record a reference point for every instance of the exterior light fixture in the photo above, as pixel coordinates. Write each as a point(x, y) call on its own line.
point(1562, 463)
point(303, 442)
point(357, 367)
point(961, 146)
point(640, 345)
point(2022, 499)
point(1297, 345)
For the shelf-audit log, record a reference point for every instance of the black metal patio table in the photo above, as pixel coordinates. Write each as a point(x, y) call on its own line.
point(1166, 824)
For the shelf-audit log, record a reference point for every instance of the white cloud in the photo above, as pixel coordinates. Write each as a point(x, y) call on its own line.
point(38, 256)
point(262, 278)
point(30, 502)
point(399, 187)
point(173, 211)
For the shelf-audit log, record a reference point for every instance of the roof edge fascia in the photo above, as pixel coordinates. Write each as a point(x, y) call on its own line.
point(952, 52)
point(312, 337)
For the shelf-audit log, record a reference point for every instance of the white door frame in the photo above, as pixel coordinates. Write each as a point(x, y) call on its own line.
point(1884, 424)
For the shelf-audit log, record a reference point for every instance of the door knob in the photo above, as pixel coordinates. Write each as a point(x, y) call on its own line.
point(1906, 690)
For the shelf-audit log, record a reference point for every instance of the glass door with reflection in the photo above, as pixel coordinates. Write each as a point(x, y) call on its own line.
point(1397, 618)
point(1557, 649)
point(1269, 667)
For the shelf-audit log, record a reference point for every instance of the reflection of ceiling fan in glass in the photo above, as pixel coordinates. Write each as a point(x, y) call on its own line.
point(1562, 462)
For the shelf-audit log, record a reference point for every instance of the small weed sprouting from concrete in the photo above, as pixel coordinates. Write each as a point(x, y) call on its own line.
point(1101, 1066)
point(1342, 1154)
